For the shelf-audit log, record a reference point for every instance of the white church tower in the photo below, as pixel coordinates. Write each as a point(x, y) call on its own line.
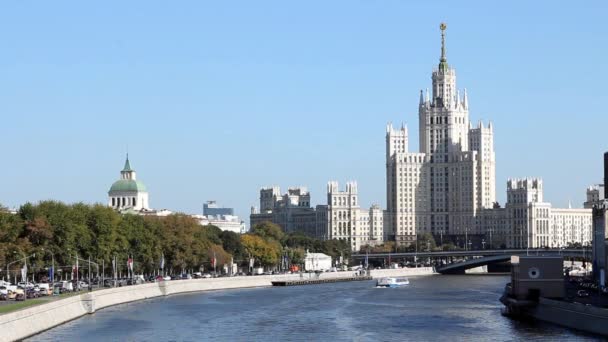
point(128, 192)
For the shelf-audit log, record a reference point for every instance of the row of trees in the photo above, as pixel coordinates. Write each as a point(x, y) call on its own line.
point(424, 242)
point(54, 230)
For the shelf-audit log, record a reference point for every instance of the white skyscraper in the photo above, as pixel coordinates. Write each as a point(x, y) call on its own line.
point(442, 189)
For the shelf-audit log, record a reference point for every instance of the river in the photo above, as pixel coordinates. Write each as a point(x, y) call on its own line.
point(431, 308)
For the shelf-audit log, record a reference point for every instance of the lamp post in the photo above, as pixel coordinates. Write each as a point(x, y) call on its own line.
point(77, 269)
point(24, 260)
point(52, 265)
point(8, 276)
point(416, 256)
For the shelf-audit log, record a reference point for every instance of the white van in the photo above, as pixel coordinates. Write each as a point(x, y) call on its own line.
point(45, 289)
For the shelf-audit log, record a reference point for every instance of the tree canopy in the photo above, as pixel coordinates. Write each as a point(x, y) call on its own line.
point(54, 230)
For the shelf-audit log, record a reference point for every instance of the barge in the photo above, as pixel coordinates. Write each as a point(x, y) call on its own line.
point(538, 291)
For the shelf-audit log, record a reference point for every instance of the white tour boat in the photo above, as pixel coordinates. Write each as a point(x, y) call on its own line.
point(392, 282)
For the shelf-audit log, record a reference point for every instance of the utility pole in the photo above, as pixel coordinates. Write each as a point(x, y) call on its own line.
point(77, 270)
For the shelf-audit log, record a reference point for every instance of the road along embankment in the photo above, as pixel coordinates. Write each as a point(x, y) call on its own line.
point(33, 320)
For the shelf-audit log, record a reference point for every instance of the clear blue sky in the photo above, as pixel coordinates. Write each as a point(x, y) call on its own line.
point(216, 99)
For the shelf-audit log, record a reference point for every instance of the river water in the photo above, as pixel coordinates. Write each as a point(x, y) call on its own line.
point(431, 308)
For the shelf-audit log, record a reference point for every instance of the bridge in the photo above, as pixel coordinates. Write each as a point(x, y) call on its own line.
point(477, 258)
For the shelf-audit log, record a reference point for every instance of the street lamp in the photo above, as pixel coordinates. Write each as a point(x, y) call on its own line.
point(24, 260)
point(52, 265)
point(8, 277)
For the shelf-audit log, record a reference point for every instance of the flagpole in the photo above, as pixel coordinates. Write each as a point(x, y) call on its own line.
point(77, 282)
point(25, 289)
point(53, 267)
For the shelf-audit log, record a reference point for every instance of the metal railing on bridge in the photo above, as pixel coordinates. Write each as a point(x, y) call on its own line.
point(570, 252)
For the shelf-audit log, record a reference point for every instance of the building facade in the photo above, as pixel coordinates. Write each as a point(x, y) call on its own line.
point(211, 208)
point(341, 218)
point(443, 188)
point(528, 221)
point(230, 223)
point(128, 192)
point(292, 210)
point(595, 194)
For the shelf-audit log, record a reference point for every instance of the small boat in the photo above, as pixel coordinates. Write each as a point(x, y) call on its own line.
point(392, 282)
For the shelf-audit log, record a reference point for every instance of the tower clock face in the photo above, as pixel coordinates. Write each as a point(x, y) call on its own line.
point(533, 272)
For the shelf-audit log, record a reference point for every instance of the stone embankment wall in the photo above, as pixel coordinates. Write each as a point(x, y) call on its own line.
point(30, 321)
point(573, 315)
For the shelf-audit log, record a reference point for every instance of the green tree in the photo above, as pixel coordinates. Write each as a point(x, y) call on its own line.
point(265, 253)
point(231, 242)
point(268, 230)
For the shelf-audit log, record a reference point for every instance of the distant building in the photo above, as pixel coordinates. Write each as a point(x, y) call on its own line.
point(346, 220)
point(595, 194)
point(128, 192)
point(528, 221)
point(221, 217)
point(128, 195)
point(317, 262)
point(442, 189)
point(230, 223)
point(341, 218)
point(147, 212)
point(212, 209)
point(291, 211)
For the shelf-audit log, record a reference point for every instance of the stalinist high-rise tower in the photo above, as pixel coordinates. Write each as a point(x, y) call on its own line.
point(442, 189)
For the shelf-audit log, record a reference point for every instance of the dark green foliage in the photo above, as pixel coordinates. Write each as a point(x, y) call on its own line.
point(54, 229)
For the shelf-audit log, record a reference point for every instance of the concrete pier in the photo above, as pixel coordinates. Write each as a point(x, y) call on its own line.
point(318, 281)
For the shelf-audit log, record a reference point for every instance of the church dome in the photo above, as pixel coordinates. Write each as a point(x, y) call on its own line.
point(123, 185)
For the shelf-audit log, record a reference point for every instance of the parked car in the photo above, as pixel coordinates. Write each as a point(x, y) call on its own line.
point(3, 293)
point(64, 286)
point(582, 294)
point(186, 276)
point(19, 294)
point(31, 293)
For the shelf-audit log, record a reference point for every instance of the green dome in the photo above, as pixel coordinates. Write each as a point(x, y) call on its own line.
point(128, 185)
